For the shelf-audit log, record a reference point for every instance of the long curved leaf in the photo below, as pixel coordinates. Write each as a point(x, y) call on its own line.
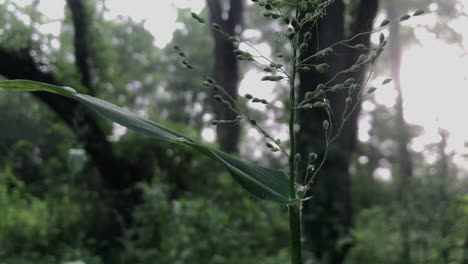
point(263, 183)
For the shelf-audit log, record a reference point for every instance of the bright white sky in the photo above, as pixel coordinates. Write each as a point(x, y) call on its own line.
point(434, 74)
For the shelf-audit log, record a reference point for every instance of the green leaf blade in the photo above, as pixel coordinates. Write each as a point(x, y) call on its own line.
point(263, 183)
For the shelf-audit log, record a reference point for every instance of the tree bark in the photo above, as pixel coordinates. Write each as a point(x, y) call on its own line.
point(226, 68)
point(81, 25)
point(328, 216)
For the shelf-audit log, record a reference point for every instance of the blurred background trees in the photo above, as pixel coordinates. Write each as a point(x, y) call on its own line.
point(75, 188)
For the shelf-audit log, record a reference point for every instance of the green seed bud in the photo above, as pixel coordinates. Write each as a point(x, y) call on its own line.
point(328, 51)
point(248, 96)
point(310, 169)
point(418, 13)
point(256, 100)
point(268, 69)
point(362, 58)
point(322, 67)
point(386, 81)
point(317, 104)
point(312, 157)
point(320, 94)
point(360, 47)
point(196, 17)
point(269, 145)
point(381, 38)
point(371, 90)
point(275, 16)
point(326, 124)
point(309, 96)
point(384, 23)
point(355, 68)
point(349, 81)
point(307, 106)
point(297, 158)
point(253, 122)
point(218, 98)
point(263, 101)
point(405, 17)
point(215, 122)
point(272, 78)
point(336, 87)
point(349, 100)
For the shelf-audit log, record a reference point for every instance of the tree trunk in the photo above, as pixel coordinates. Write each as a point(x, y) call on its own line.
point(81, 25)
point(226, 68)
point(328, 215)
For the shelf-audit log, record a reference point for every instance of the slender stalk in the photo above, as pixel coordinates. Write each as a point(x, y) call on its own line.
point(295, 233)
point(295, 209)
point(292, 133)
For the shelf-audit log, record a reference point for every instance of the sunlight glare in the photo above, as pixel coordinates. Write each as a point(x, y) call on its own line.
point(160, 21)
point(253, 85)
point(209, 134)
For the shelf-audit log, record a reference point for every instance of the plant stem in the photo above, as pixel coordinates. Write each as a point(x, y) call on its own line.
point(294, 209)
point(295, 233)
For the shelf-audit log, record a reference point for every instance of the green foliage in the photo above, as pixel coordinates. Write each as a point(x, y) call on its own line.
point(203, 230)
point(31, 226)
